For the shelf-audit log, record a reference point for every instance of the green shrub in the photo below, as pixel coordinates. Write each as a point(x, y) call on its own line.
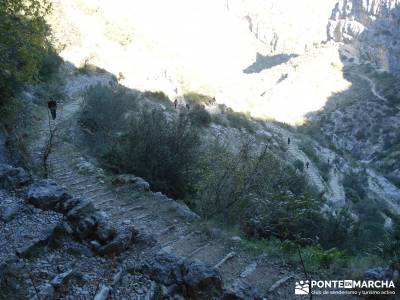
point(255, 187)
point(50, 65)
point(389, 247)
point(200, 116)
point(239, 120)
point(162, 151)
point(105, 114)
point(197, 99)
point(354, 185)
point(158, 96)
point(314, 257)
point(299, 165)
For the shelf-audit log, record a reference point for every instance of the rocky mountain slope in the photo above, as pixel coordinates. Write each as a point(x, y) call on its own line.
point(272, 59)
point(329, 66)
point(84, 222)
point(372, 27)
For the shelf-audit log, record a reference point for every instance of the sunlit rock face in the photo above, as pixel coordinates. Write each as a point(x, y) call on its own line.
point(373, 27)
point(285, 25)
point(269, 58)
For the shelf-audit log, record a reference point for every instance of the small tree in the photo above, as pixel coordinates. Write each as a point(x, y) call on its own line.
point(253, 185)
point(162, 150)
point(105, 114)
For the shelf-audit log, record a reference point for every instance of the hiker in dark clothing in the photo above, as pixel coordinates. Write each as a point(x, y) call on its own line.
point(187, 106)
point(288, 140)
point(307, 164)
point(52, 105)
point(176, 103)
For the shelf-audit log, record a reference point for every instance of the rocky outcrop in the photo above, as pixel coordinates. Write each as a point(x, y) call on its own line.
point(241, 289)
point(285, 26)
point(131, 181)
point(192, 279)
point(12, 178)
point(372, 27)
point(84, 222)
point(58, 246)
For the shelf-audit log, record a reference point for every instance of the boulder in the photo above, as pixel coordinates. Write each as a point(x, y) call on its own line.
point(105, 232)
point(181, 209)
point(137, 183)
point(103, 293)
point(13, 178)
point(9, 209)
point(236, 239)
point(86, 227)
point(46, 194)
point(164, 268)
point(62, 279)
point(186, 213)
point(378, 273)
point(121, 242)
point(193, 279)
point(81, 208)
point(241, 290)
point(201, 281)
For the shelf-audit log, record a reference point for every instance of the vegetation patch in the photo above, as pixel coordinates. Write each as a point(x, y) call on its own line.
point(239, 120)
point(158, 96)
point(26, 54)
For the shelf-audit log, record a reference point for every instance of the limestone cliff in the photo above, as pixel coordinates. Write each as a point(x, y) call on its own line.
point(372, 26)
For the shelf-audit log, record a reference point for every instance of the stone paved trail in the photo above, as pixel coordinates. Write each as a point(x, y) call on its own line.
point(168, 222)
point(155, 213)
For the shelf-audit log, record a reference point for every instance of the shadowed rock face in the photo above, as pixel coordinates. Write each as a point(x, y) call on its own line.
point(373, 27)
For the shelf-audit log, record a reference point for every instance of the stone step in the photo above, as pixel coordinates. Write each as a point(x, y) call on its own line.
point(79, 182)
point(87, 192)
point(102, 203)
point(87, 186)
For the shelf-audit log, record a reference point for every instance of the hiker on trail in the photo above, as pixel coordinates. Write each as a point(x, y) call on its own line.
point(187, 106)
point(176, 103)
point(52, 105)
point(288, 140)
point(307, 164)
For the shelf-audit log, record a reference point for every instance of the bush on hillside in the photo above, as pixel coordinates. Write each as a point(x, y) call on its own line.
point(200, 116)
point(50, 64)
point(299, 165)
point(354, 186)
point(197, 99)
point(239, 120)
point(105, 114)
point(161, 150)
point(158, 96)
point(258, 190)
